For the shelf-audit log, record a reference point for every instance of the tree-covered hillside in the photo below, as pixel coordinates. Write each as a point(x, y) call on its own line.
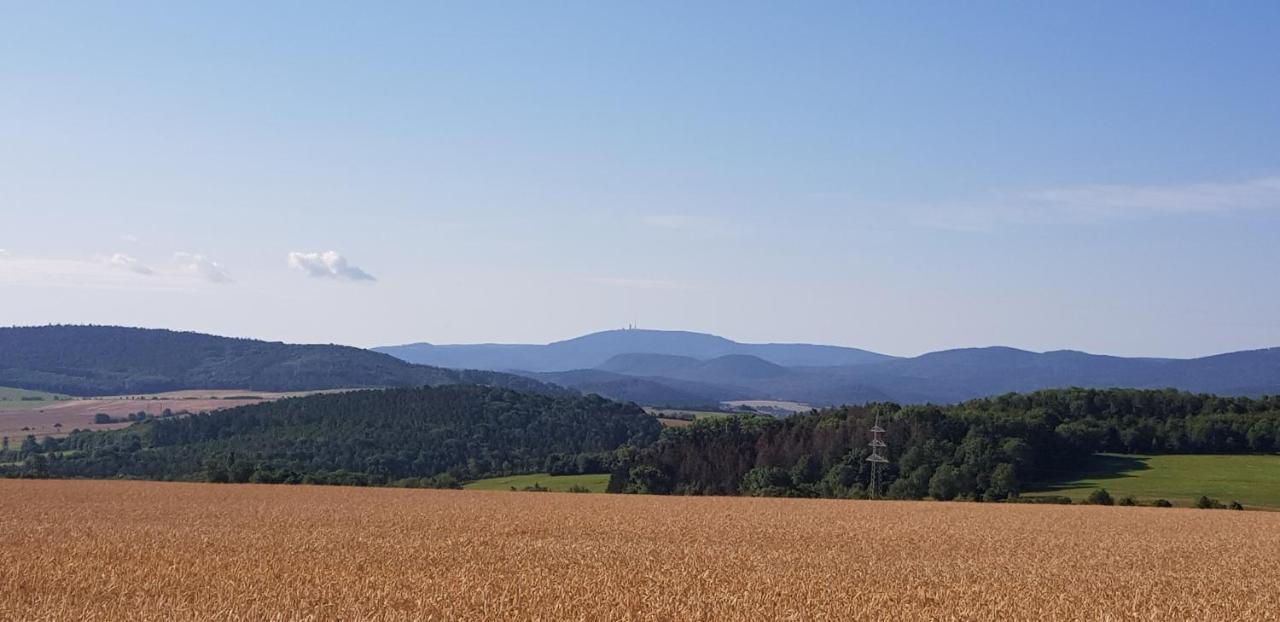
point(363, 437)
point(986, 448)
point(111, 360)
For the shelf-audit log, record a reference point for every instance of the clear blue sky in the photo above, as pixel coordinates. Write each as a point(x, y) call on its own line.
point(896, 176)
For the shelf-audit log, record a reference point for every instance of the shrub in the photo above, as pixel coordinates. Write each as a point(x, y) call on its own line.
point(1161, 503)
point(945, 483)
point(1100, 497)
point(1235, 505)
point(1127, 501)
point(766, 482)
point(579, 488)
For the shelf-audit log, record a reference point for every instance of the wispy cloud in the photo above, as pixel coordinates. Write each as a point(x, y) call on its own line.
point(637, 283)
point(125, 262)
point(327, 265)
point(130, 238)
point(199, 265)
point(694, 224)
point(1100, 203)
point(678, 222)
point(95, 273)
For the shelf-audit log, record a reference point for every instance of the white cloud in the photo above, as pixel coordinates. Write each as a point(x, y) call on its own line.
point(201, 266)
point(125, 262)
point(3, 253)
point(327, 265)
point(130, 238)
point(1100, 203)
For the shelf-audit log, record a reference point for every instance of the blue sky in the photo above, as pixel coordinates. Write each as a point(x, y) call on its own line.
point(901, 176)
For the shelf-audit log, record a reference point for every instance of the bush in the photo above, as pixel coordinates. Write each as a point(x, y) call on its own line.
point(1127, 501)
point(945, 483)
point(1161, 503)
point(1205, 503)
point(766, 482)
point(1100, 497)
point(579, 488)
point(1235, 505)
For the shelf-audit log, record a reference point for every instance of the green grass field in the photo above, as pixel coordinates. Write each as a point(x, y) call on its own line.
point(22, 399)
point(556, 483)
point(1253, 480)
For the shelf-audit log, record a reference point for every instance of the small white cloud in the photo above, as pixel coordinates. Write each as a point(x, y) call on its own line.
point(125, 262)
point(130, 238)
point(327, 265)
point(201, 266)
point(3, 253)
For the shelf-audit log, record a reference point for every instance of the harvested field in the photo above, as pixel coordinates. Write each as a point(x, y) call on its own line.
point(157, 551)
point(39, 421)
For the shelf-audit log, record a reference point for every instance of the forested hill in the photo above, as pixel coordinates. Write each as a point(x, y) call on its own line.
point(359, 437)
point(111, 360)
point(984, 448)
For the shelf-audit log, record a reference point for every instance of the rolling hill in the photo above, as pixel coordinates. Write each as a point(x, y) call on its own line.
point(111, 360)
point(957, 375)
point(359, 437)
point(590, 351)
point(674, 368)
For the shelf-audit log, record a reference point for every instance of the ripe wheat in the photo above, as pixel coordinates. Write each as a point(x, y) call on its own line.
point(81, 550)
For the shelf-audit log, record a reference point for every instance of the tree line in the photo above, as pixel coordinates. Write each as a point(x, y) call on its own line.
point(987, 448)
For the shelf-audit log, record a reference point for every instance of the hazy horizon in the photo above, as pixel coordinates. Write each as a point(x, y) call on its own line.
point(765, 341)
point(900, 179)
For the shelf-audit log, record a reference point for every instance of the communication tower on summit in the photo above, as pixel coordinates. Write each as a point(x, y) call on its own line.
point(877, 458)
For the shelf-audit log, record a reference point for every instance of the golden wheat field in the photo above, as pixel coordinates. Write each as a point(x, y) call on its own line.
point(81, 550)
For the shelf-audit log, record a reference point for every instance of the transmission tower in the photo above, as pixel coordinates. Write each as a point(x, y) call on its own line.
point(877, 457)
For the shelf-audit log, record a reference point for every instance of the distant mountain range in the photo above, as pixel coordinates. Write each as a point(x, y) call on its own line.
point(683, 368)
point(590, 351)
point(649, 367)
point(112, 360)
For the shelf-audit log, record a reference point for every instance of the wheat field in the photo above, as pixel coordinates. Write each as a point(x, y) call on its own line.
point(82, 550)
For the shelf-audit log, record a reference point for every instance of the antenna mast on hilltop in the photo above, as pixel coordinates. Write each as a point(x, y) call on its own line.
point(877, 456)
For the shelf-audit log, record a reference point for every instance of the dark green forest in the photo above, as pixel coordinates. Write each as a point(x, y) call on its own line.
point(427, 436)
point(113, 360)
point(982, 449)
point(985, 449)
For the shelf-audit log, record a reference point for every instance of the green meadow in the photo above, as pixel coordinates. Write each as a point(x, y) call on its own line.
point(555, 483)
point(1253, 480)
point(22, 399)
